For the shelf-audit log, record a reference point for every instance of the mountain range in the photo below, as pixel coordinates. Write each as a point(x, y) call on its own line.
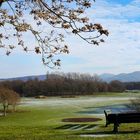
point(26, 78)
point(123, 77)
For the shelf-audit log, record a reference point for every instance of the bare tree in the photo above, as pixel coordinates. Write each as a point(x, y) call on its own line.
point(135, 104)
point(28, 18)
point(14, 100)
point(8, 97)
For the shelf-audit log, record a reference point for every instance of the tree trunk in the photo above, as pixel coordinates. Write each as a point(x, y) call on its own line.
point(4, 110)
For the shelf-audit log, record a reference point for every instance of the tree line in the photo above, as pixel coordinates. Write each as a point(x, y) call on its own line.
point(132, 85)
point(59, 84)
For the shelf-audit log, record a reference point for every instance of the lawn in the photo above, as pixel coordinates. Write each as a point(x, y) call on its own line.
point(41, 119)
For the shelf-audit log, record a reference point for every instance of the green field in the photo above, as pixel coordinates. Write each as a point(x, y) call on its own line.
point(41, 119)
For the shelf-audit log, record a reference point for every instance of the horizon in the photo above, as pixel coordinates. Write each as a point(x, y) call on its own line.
point(56, 72)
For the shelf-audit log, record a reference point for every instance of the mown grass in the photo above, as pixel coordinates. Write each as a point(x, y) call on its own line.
point(44, 122)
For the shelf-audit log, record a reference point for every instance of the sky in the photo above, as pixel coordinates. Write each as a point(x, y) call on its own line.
point(119, 54)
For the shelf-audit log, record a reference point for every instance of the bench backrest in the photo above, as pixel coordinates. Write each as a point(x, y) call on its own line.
point(131, 117)
point(128, 117)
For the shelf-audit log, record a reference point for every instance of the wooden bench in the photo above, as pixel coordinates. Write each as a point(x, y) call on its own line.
point(118, 118)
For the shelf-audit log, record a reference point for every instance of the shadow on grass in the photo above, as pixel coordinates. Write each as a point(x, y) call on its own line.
point(77, 126)
point(111, 132)
point(16, 111)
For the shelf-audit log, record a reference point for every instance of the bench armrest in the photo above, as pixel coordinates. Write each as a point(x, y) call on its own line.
point(106, 116)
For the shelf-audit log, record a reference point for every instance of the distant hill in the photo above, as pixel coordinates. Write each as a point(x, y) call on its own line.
point(123, 77)
point(106, 76)
point(26, 78)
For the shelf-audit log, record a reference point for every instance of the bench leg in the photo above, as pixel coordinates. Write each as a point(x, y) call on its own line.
point(116, 125)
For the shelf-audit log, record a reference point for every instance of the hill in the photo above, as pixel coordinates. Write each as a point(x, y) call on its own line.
point(26, 78)
point(123, 77)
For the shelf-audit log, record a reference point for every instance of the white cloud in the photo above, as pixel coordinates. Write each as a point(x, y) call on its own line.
point(104, 9)
point(120, 52)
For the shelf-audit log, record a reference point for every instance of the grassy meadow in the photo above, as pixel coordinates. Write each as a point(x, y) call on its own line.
point(41, 119)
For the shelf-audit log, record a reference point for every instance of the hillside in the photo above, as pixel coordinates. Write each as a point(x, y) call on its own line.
point(123, 77)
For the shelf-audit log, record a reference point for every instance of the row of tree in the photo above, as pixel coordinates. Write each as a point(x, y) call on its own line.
point(63, 84)
point(132, 85)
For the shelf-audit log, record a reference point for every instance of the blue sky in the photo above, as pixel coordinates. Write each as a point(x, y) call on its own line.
point(121, 2)
point(119, 54)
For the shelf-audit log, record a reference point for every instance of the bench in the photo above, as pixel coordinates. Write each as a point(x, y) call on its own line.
point(118, 118)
